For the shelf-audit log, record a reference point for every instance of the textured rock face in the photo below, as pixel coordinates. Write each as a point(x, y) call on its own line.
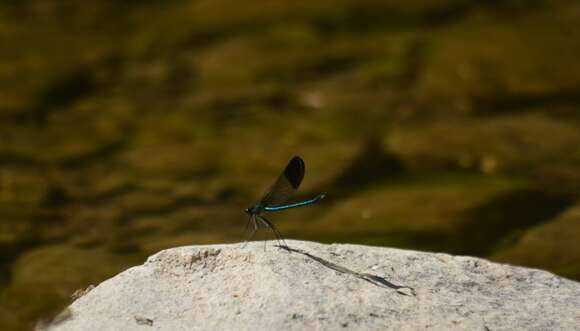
point(324, 287)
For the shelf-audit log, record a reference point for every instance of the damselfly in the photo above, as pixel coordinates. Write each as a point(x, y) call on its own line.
point(277, 197)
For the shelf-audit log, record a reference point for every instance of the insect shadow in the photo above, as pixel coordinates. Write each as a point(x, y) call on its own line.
point(373, 279)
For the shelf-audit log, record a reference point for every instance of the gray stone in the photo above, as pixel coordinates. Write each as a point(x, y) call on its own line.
point(324, 287)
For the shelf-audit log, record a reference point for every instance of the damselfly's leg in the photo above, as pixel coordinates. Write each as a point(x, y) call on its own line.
point(247, 225)
point(265, 224)
point(251, 219)
point(265, 239)
point(274, 229)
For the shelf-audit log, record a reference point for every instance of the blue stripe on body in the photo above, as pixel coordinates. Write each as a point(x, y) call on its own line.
point(294, 205)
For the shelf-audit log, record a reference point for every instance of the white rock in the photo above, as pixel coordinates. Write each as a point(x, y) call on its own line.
point(324, 287)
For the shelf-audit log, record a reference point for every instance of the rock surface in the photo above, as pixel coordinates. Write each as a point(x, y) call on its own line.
point(324, 287)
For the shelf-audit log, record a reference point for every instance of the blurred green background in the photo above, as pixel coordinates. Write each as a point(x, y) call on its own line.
point(130, 127)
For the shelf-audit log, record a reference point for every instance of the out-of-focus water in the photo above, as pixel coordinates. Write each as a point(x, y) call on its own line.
point(446, 125)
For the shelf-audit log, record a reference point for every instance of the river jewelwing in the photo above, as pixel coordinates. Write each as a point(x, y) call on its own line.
point(276, 198)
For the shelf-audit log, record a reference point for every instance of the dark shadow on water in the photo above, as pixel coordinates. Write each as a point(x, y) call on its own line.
point(504, 103)
point(373, 163)
point(491, 223)
point(373, 279)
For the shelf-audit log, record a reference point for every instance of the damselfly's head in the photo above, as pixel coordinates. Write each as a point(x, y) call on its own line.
point(247, 211)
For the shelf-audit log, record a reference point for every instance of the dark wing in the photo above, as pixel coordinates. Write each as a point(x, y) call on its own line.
point(285, 186)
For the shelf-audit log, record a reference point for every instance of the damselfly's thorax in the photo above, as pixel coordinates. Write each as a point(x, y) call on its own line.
point(257, 209)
